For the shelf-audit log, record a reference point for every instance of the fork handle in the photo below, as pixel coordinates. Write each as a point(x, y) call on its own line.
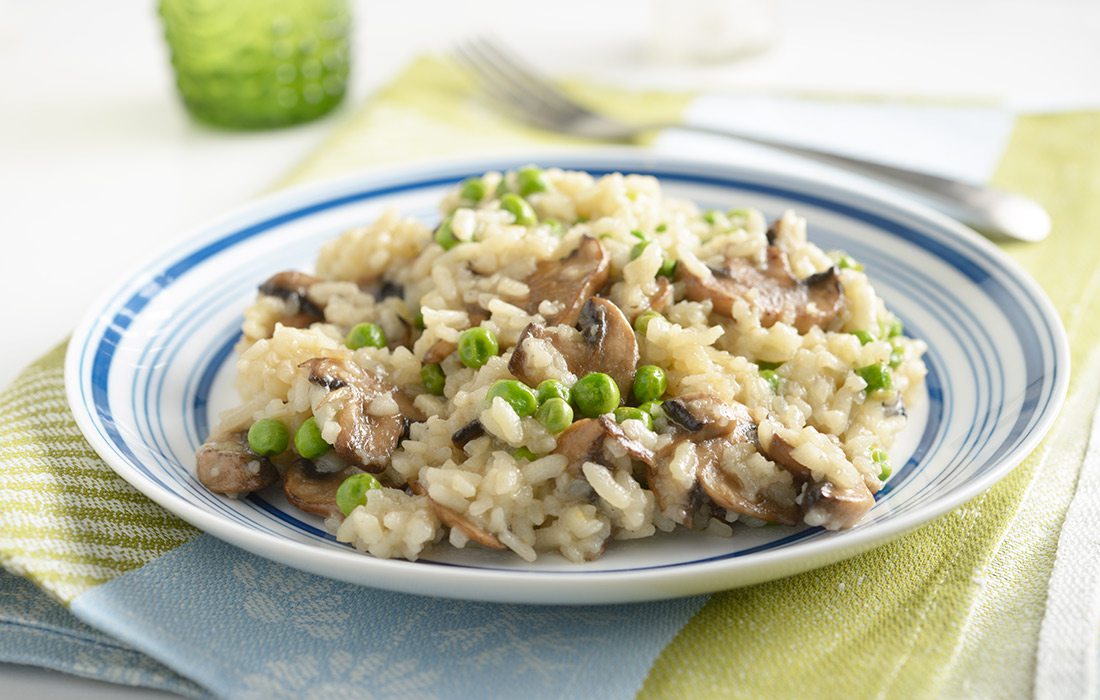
point(995, 213)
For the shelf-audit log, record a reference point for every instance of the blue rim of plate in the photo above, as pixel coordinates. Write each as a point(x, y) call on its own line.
point(1045, 354)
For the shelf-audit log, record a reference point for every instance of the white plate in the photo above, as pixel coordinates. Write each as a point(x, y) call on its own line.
point(151, 364)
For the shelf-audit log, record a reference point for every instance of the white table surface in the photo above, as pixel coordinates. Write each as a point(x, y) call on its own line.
point(100, 167)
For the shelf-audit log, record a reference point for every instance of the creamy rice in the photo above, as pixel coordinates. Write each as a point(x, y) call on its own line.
point(811, 429)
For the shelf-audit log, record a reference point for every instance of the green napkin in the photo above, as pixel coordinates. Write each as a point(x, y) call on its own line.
point(951, 609)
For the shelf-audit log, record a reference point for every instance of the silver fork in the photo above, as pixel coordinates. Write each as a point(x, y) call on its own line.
point(525, 93)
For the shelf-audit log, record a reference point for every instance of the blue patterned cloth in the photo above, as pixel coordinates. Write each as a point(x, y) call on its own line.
point(210, 618)
point(37, 631)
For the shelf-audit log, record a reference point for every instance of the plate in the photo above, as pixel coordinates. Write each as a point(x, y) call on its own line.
point(152, 363)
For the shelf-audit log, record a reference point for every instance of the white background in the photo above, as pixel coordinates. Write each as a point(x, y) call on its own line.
point(100, 167)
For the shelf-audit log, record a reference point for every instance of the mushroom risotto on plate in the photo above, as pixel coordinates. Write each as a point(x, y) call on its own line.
point(564, 361)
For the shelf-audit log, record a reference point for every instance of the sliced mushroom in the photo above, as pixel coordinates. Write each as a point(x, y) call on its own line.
point(833, 507)
point(452, 519)
point(365, 440)
point(471, 431)
point(604, 342)
point(776, 294)
point(708, 426)
point(389, 289)
point(438, 352)
point(660, 299)
point(707, 417)
point(824, 503)
point(225, 465)
point(568, 282)
point(586, 440)
point(779, 451)
point(293, 287)
point(311, 490)
point(728, 490)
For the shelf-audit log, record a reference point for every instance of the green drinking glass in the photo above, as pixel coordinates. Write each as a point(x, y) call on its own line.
point(254, 64)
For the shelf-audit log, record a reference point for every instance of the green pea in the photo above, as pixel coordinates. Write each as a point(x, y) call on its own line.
point(882, 461)
point(555, 414)
point(473, 190)
point(897, 351)
point(268, 437)
point(668, 269)
point(624, 413)
point(877, 376)
point(366, 335)
point(845, 262)
point(895, 328)
point(445, 235)
point(353, 491)
point(739, 215)
point(710, 216)
point(552, 388)
point(764, 364)
point(641, 323)
point(433, 379)
point(650, 382)
point(476, 346)
point(864, 337)
point(653, 408)
point(517, 394)
point(518, 207)
point(596, 394)
point(530, 180)
point(771, 378)
point(525, 453)
point(308, 441)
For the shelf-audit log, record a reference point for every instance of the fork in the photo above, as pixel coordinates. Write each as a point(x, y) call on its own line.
point(529, 96)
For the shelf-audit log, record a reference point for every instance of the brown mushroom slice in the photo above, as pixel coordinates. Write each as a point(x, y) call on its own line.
point(293, 286)
point(833, 507)
point(438, 352)
point(452, 519)
point(779, 451)
point(467, 433)
point(772, 290)
point(663, 297)
point(706, 417)
point(824, 503)
point(365, 440)
point(604, 342)
point(610, 345)
point(568, 282)
point(586, 441)
point(225, 465)
point(728, 491)
point(312, 491)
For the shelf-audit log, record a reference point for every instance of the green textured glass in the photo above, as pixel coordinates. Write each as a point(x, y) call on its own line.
point(252, 64)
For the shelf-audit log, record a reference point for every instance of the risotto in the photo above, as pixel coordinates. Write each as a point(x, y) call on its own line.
point(561, 362)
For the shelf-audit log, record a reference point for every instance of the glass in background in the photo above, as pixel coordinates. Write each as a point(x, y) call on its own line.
point(253, 64)
point(712, 31)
